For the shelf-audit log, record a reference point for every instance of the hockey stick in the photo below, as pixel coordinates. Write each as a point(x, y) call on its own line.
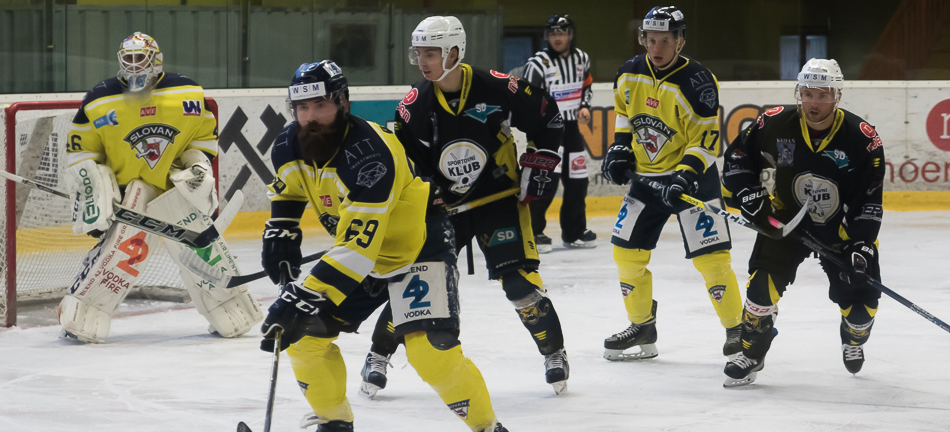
point(152, 225)
point(205, 271)
point(776, 231)
point(831, 255)
point(272, 394)
point(452, 211)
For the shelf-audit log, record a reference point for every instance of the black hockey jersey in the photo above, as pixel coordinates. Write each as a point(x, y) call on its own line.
point(468, 149)
point(843, 171)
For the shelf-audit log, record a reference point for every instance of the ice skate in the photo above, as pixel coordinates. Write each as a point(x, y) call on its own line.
point(741, 371)
point(557, 371)
point(588, 240)
point(853, 356)
point(733, 345)
point(543, 243)
point(374, 374)
point(497, 427)
point(637, 335)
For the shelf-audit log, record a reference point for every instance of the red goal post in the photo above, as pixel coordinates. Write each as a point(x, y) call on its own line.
point(38, 247)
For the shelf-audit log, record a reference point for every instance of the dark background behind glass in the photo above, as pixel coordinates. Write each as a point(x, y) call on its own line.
point(70, 45)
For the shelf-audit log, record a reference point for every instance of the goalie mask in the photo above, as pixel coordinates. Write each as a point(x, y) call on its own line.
point(824, 75)
point(140, 62)
point(439, 32)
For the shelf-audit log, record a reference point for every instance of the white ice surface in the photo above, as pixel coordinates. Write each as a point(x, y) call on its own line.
point(162, 372)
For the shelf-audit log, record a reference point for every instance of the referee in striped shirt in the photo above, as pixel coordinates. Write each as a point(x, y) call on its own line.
point(564, 71)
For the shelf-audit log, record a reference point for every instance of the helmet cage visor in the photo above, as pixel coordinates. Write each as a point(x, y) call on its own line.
point(137, 67)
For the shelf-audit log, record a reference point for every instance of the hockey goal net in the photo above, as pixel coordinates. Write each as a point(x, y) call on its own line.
point(39, 253)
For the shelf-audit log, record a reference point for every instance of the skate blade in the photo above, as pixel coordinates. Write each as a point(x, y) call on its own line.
point(75, 338)
point(560, 387)
point(368, 390)
point(733, 382)
point(647, 351)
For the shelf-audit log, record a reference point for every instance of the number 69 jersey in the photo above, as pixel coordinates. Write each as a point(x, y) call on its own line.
point(140, 137)
point(842, 172)
point(367, 198)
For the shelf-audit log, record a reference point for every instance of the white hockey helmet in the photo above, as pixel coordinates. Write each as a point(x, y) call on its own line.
point(140, 61)
point(445, 32)
point(820, 73)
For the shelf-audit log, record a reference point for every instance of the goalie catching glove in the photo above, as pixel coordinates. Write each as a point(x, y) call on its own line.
point(538, 179)
point(294, 314)
point(195, 181)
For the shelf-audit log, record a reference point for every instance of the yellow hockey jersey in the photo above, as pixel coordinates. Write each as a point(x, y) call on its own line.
point(367, 198)
point(670, 118)
point(138, 137)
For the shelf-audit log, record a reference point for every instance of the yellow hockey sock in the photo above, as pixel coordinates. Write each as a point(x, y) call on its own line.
point(321, 374)
point(636, 282)
point(721, 285)
point(454, 377)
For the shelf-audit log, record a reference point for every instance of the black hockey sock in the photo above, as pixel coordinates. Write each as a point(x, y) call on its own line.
point(384, 337)
point(856, 322)
point(757, 334)
point(542, 322)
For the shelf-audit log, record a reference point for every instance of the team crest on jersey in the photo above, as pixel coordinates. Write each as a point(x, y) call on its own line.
point(461, 162)
point(716, 292)
point(786, 151)
point(460, 408)
point(823, 193)
point(839, 156)
point(150, 141)
point(651, 133)
point(482, 111)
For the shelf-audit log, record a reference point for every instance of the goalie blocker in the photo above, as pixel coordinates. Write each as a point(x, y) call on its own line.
point(111, 268)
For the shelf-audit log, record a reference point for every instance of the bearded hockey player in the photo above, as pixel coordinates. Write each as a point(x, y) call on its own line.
point(145, 139)
point(667, 129)
point(456, 127)
point(563, 70)
point(389, 244)
point(836, 159)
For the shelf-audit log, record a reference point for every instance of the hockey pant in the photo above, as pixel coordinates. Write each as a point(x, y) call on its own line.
point(436, 355)
point(636, 284)
point(573, 213)
point(114, 265)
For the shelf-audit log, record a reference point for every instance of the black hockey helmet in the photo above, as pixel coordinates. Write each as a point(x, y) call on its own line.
point(313, 80)
point(664, 18)
point(560, 22)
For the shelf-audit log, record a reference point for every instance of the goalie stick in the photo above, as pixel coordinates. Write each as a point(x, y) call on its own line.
point(152, 225)
point(776, 231)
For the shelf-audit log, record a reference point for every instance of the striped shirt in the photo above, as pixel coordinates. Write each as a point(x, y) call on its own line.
point(567, 79)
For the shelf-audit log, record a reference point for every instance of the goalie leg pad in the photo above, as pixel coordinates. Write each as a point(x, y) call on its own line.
point(230, 311)
point(109, 272)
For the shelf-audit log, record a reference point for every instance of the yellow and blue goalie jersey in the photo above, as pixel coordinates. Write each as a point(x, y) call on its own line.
point(670, 118)
point(366, 197)
point(140, 137)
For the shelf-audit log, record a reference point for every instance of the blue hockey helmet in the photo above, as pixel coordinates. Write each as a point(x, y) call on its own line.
point(662, 19)
point(318, 80)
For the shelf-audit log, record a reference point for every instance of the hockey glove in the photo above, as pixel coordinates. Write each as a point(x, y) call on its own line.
point(538, 179)
point(618, 160)
point(294, 314)
point(681, 182)
point(195, 181)
point(281, 252)
point(863, 259)
point(754, 203)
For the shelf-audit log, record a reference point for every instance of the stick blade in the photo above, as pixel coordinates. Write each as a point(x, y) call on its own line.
point(243, 427)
